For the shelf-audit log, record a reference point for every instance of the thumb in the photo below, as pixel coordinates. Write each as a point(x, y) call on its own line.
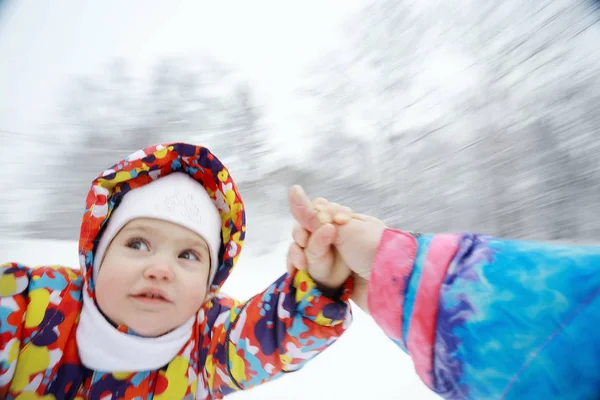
point(318, 247)
point(320, 258)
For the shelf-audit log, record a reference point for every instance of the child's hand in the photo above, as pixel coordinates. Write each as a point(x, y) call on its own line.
point(314, 252)
point(357, 237)
point(355, 243)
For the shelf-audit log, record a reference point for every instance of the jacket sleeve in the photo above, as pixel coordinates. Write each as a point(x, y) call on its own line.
point(275, 332)
point(29, 299)
point(488, 318)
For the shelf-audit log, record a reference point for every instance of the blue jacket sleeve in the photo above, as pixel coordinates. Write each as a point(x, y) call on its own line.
point(489, 318)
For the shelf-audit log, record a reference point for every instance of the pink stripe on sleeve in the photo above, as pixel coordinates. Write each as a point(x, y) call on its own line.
point(421, 333)
point(391, 269)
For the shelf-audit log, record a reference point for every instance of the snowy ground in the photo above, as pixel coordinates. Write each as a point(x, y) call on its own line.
point(363, 364)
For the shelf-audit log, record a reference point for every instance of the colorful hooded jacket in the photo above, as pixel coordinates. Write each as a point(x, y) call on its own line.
point(233, 346)
point(488, 318)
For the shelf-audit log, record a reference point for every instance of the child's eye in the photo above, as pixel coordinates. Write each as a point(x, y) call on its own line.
point(138, 244)
point(190, 255)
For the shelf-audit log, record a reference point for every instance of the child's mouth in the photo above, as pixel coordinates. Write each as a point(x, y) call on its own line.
point(151, 298)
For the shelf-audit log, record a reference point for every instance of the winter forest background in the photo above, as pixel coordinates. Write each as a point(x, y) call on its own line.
point(432, 115)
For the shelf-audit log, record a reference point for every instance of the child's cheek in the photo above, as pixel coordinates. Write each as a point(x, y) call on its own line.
point(195, 297)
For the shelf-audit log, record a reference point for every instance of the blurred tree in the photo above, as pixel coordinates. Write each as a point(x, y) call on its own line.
point(112, 119)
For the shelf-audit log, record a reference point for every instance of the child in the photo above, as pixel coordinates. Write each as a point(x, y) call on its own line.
point(162, 231)
point(481, 317)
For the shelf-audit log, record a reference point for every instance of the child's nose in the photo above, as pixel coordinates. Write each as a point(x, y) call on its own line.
point(161, 270)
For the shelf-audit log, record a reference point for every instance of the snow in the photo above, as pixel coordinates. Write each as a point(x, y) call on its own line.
point(363, 364)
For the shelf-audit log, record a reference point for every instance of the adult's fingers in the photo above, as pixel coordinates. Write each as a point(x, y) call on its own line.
point(337, 213)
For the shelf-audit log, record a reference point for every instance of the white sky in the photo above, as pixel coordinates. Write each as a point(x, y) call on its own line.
point(43, 44)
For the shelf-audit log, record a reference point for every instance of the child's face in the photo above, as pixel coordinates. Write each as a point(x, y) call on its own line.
point(153, 257)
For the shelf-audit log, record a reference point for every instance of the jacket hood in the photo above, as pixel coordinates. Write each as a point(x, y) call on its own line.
point(143, 167)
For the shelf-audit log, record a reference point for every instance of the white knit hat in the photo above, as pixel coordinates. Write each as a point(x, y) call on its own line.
point(176, 198)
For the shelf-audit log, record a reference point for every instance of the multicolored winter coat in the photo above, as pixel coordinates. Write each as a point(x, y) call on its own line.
point(487, 318)
point(233, 345)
